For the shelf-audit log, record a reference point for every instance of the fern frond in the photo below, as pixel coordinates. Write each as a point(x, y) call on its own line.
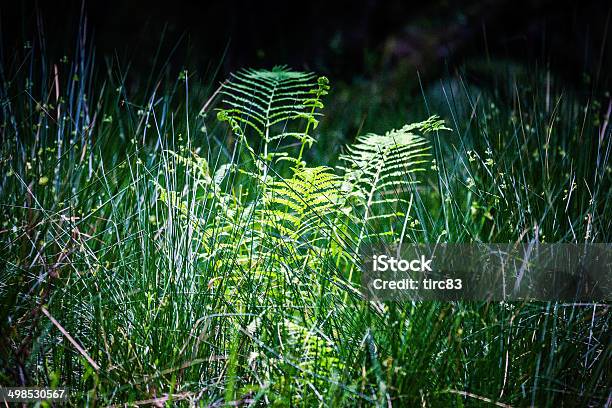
point(381, 169)
point(305, 201)
point(260, 99)
point(378, 163)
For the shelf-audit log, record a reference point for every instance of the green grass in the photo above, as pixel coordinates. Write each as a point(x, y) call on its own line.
point(182, 277)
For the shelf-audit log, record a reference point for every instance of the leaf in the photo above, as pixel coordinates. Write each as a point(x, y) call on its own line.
point(381, 169)
point(260, 99)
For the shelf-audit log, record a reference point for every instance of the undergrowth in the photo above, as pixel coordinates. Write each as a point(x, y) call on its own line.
point(194, 247)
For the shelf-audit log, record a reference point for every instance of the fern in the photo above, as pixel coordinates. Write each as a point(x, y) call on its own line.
point(304, 219)
point(260, 99)
point(314, 219)
point(301, 204)
point(381, 170)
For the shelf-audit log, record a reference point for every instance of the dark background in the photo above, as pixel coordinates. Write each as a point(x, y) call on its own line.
point(343, 39)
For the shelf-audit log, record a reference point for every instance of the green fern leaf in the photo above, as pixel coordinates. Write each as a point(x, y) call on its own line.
point(260, 99)
point(381, 170)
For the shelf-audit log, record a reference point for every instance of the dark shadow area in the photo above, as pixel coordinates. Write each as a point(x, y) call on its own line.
point(341, 39)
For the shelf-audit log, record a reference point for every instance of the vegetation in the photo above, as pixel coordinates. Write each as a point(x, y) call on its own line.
point(154, 252)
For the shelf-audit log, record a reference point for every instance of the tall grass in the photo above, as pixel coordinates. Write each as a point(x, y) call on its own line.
point(105, 197)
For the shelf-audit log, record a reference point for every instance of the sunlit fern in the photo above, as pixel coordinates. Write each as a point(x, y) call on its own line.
point(299, 206)
point(307, 213)
point(381, 170)
point(260, 99)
